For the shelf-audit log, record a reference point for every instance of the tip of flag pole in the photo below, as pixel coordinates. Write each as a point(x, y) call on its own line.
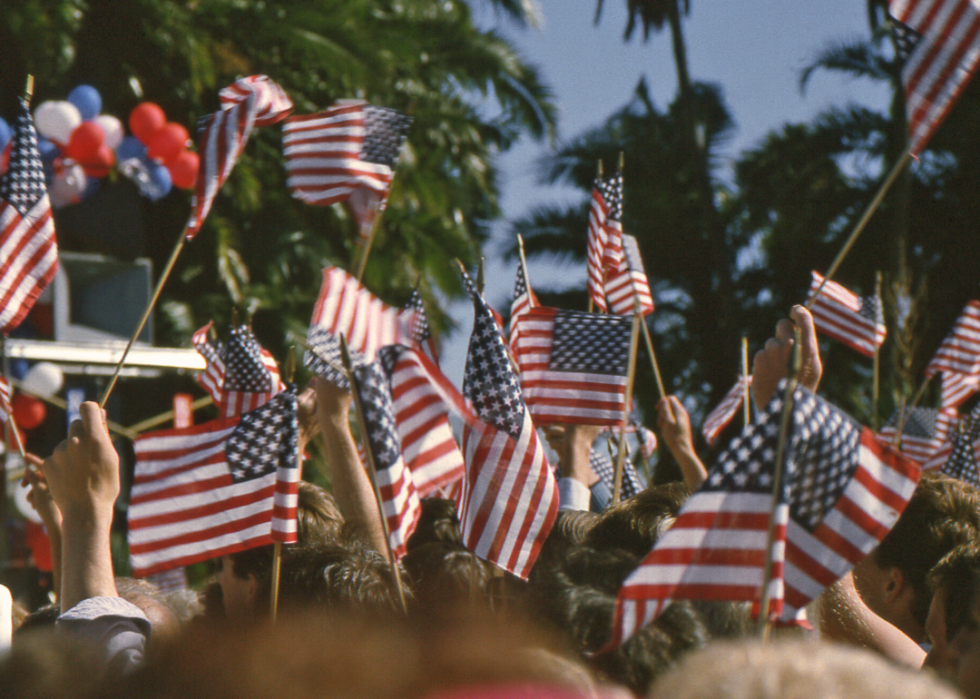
point(598, 169)
point(622, 160)
point(29, 88)
point(289, 364)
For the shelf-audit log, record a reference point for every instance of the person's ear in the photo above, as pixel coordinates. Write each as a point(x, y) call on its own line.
point(895, 584)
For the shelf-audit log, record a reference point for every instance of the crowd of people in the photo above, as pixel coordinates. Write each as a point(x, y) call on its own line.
point(444, 623)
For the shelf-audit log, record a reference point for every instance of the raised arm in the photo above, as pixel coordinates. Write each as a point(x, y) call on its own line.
point(675, 428)
point(40, 499)
point(770, 364)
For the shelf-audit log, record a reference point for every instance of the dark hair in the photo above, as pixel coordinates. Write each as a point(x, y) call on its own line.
point(636, 523)
point(446, 576)
point(438, 521)
point(942, 514)
point(958, 576)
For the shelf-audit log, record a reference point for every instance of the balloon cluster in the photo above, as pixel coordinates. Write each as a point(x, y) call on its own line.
point(43, 380)
point(79, 147)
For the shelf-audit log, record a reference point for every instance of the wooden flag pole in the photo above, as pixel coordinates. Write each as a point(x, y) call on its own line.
point(746, 397)
point(876, 364)
point(288, 373)
point(598, 176)
point(653, 356)
point(149, 422)
point(628, 399)
point(796, 360)
point(362, 425)
point(865, 217)
point(63, 405)
point(366, 248)
point(146, 315)
point(527, 280)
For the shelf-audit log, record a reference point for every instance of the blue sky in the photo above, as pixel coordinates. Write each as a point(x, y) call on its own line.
point(754, 49)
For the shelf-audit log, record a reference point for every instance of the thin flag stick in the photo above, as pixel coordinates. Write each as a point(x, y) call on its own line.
point(900, 424)
point(366, 248)
point(746, 401)
point(149, 422)
point(598, 176)
point(628, 399)
point(791, 382)
point(865, 217)
point(876, 365)
point(520, 251)
point(63, 405)
point(653, 356)
point(362, 425)
point(288, 372)
point(146, 315)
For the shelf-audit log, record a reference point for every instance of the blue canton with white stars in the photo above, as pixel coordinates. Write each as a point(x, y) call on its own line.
point(379, 416)
point(905, 38)
point(23, 184)
point(385, 131)
point(244, 370)
point(611, 189)
point(489, 381)
point(323, 357)
point(919, 422)
point(962, 462)
point(591, 343)
point(265, 439)
point(420, 324)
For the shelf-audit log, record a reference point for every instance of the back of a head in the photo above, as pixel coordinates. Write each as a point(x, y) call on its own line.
point(958, 576)
point(446, 576)
point(438, 521)
point(636, 523)
point(792, 669)
point(942, 514)
point(154, 603)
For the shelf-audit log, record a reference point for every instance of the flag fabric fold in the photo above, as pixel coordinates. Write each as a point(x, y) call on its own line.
point(240, 375)
point(627, 284)
point(719, 418)
point(960, 349)
point(6, 410)
point(957, 389)
point(960, 456)
point(573, 365)
point(249, 102)
point(28, 249)
point(841, 492)
point(213, 489)
point(923, 431)
point(509, 497)
point(604, 235)
point(843, 315)
point(521, 302)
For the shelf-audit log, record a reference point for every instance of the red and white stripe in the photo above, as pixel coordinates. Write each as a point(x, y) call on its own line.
point(346, 308)
point(942, 63)
point(249, 102)
point(28, 259)
point(719, 418)
point(960, 350)
point(595, 256)
point(629, 283)
point(922, 449)
point(5, 408)
point(837, 313)
point(562, 396)
point(957, 388)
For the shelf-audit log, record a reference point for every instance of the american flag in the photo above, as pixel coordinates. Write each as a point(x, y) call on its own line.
point(346, 308)
point(224, 486)
point(420, 331)
point(960, 350)
point(602, 465)
point(629, 281)
point(923, 432)
point(843, 315)
point(422, 398)
point(522, 301)
point(5, 408)
point(240, 375)
point(28, 250)
point(842, 491)
point(509, 499)
point(249, 102)
point(719, 418)
point(399, 498)
point(603, 254)
point(573, 365)
point(347, 153)
point(939, 43)
point(960, 456)
point(957, 388)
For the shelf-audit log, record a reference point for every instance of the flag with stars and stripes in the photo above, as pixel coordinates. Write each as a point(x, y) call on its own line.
point(938, 43)
point(960, 350)
point(841, 491)
point(602, 465)
point(5, 407)
point(604, 235)
point(627, 284)
point(923, 431)
point(957, 388)
point(509, 498)
point(396, 486)
point(213, 489)
point(843, 315)
point(346, 153)
point(240, 375)
point(346, 308)
point(422, 398)
point(249, 102)
point(420, 331)
point(960, 457)
point(573, 365)
point(521, 302)
point(28, 250)
point(719, 418)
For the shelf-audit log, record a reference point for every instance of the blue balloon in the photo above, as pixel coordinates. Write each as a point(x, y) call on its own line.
point(18, 368)
point(4, 134)
point(47, 149)
point(160, 182)
point(88, 101)
point(130, 147)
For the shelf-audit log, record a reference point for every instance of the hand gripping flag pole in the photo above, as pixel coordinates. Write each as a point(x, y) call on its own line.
point(369, 454)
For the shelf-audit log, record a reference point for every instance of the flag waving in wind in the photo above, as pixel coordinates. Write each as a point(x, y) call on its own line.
point(249, 102)
point(857, 322)
point(939, 44)
point(509, 498)
point(719, 418)
point(605, 236)
point(28, 251)
point(842, 490)
point(960, 350)
point(627, 284)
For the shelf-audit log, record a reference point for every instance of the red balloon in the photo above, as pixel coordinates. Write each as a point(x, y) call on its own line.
point(145, 120)
point(167, 142)
point(101, 164)
point(183, 170)
point(29, 412)
point(85, 141)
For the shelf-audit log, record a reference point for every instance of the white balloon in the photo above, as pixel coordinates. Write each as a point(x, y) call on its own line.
point(43, 380)
point(68, 186)
point(56, 120)
point(112, 128)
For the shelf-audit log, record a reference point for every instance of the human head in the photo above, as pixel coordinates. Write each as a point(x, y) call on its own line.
point(446, 577)
point(954, 620)
point(636, 523)
point(942, 514)
point(164, 621)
